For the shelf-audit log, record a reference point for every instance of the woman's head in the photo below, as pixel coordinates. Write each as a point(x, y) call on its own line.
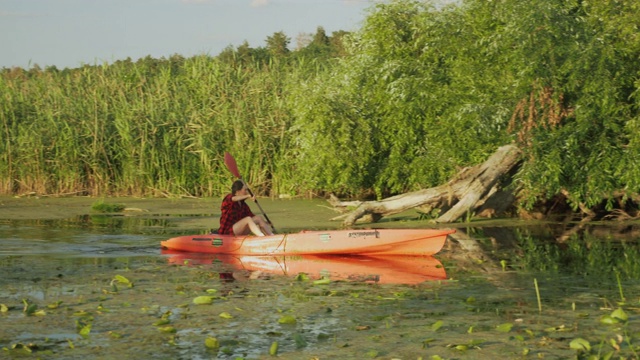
point(237, 186)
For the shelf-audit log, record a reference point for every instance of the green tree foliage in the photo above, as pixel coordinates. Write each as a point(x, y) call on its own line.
point(319, 47)
point(418, 93)
point(278, 44)
point(577, 123)
point(428, 90)
point(403, 111)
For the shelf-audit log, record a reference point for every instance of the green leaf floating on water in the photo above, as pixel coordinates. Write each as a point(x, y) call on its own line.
point(168, 329)
point(609, 320)
point(203, 300)
point(287, 319)
point(122, 280)
point(505, 328)
point(323, 281)
point(580, 344)
point(620, 314)
point(85, 331)
point(29, 309)
point(273, 350)
point(212, 343)
point(55, 305)
point(437, 325)
point(4, 308)
point(226, 315)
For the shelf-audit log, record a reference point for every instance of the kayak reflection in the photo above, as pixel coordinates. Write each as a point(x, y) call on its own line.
point(378, 269)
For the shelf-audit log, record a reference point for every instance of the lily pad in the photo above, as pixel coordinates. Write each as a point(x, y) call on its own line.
point(203, 300)
point(273, 350)
point(287, 319)
point(505, 328)
point(122, 280)
point(323, 281)
point(620, 314)
point(437, 325)
point(580, 344)
point(609, 320)
point(85, 331)
point(226, 315)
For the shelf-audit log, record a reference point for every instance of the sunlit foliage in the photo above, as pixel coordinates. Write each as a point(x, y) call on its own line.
point(418, 93)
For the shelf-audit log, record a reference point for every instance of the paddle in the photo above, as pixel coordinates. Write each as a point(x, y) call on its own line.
point(233, 167)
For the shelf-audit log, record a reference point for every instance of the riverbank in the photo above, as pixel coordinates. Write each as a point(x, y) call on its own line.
point(34, 208)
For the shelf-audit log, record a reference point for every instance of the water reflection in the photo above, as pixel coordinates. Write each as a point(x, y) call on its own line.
point(597, 251)
point(113, 222)
point(491, 271)
point(378, 269)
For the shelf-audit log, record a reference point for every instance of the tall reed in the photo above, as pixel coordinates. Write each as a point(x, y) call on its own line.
point(151, 127)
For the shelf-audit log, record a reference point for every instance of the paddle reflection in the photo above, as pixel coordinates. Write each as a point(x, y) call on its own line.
point(379, 269)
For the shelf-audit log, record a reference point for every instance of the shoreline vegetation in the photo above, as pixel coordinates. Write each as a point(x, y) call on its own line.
point(408, 101)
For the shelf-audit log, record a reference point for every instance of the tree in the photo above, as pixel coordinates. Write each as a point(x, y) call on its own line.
point(277, 44)
point(427, 91)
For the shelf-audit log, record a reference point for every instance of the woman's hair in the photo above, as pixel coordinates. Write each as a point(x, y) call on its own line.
point(237, 186)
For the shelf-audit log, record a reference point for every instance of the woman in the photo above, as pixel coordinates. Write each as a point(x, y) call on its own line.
point(237, 218)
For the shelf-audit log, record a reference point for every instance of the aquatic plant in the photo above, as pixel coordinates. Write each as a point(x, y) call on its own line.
point(104, 207)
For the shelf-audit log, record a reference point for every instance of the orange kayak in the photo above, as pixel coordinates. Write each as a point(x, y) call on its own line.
point(395, 269)
point(374, 242)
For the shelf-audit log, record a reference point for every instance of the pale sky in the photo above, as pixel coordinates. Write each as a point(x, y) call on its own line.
point(69, 33)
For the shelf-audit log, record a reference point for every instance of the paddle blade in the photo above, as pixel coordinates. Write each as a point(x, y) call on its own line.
point(231, 164)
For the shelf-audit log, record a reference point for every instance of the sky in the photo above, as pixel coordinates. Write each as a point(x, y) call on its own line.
point(70, 33)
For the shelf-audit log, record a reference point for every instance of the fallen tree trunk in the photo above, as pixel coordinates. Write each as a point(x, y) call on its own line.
point(467, 192)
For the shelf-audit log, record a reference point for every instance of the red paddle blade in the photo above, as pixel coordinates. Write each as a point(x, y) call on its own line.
point(231, 164)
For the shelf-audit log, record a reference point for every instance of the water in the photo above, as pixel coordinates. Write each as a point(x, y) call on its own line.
point(500, 291)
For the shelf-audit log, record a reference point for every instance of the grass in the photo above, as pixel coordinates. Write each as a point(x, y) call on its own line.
point(103, 207)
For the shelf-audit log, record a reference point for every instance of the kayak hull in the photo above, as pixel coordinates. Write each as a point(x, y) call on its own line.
point(420, 242)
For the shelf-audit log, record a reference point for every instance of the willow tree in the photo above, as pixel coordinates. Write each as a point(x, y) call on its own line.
point(427, 90)
point(578, 122)
point(401, 112)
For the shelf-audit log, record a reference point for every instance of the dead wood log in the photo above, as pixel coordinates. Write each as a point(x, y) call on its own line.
point(466, 192)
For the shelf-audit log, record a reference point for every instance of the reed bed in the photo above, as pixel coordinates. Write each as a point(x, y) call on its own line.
point(149, 128)
point(406, 107)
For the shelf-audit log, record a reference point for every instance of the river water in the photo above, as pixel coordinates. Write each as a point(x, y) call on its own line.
point(99, 286)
